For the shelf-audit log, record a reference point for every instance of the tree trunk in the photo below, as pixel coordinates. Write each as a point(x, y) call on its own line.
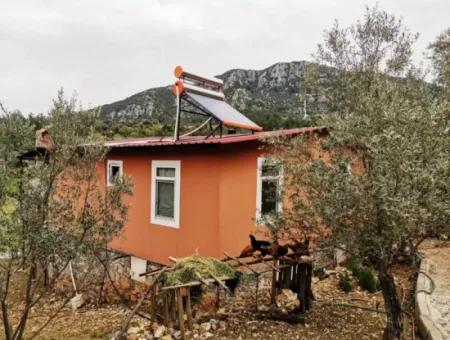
point(394, 315)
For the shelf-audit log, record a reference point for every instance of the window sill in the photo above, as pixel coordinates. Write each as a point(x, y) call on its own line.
point(165, 222)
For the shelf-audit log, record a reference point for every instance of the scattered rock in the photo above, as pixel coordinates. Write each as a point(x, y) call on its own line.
point(263, 308)
point(167, 337)
point(287, 300)
point(221, 311)
point(207, 335)
point(133, 330)
point(159, 332)
point(205, 327)
point(213, 323)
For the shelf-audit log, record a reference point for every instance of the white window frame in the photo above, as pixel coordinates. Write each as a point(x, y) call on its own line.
point(259, 180)
point(109, 164)
point(161, 220)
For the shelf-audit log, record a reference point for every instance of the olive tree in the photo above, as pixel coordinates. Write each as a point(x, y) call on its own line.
point(440, 58)
point(380, 180)
point(55, 208)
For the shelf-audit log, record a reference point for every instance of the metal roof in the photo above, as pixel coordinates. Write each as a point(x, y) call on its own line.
point(192, 140)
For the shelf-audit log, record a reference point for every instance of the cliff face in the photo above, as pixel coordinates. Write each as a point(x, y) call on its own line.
point(272, 90)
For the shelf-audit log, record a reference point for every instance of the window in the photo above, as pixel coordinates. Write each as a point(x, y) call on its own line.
point(114, 169)
point(165, 200)
point(268, 187)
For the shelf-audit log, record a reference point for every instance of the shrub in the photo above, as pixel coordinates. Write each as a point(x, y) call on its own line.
point(367, 280)
point(364, 276)
point(345, 283)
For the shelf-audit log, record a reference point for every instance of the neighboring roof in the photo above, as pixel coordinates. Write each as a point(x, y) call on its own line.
point(227, 139)
point(222, 111)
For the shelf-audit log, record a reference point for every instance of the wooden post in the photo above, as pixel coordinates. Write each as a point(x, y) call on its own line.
point(180, 313)
point(274, 285)
point(302, 287)
point(285, 280)
point(153, 301)
point(309, 292)
point(217, 297)
point(189, 309)
point(173, 305)
point(166, 301)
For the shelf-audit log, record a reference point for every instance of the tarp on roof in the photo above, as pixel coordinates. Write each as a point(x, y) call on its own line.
point(228, 115)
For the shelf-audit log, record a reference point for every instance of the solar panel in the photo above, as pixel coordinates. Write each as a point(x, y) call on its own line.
point(222, 111)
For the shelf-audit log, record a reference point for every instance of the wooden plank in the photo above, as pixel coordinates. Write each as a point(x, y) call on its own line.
point(196, 283)
point(219, 282)
point(173, 259)
point(202, 280)
point(189, 310)
point(241, 263)
point(180, 314)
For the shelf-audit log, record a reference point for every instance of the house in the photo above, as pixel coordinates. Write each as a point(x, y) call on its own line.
point(193, 193)
point(196, 194)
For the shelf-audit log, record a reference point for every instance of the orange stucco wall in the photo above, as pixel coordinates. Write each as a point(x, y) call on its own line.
point(217, 201)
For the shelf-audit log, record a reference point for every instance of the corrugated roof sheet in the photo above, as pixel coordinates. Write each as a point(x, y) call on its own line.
point(192, 140)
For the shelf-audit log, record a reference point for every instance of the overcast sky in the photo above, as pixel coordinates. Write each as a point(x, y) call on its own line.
point(108, 50)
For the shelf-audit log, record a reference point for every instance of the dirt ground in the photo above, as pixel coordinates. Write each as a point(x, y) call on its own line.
point(334, 315)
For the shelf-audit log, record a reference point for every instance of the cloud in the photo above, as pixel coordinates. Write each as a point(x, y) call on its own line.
point(109, 49)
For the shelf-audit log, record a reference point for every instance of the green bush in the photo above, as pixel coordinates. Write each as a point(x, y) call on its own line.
point(345, 283)
point(367, 280)
point(364, 276)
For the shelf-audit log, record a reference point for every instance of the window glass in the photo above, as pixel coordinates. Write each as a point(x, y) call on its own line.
point(165, 172)
point(269, 199)
point(165, 198)
point(270, 169)
point(115, 170)
point(165, 193)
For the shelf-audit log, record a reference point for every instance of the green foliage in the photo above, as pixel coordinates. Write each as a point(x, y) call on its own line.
point(440, 58)
point(276, 121)
point(381, 177)
point(53, 208)
point(345, 283)
point(116, 131)
point(364, 276)
point(367, 280)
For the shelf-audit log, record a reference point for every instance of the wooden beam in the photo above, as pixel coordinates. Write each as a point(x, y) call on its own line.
point(202, 280)
point(195, 283)
point(173, 259)
point(241, 263)
point(219, 282)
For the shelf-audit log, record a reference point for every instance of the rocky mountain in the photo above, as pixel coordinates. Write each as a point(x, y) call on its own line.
point(274, 89)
